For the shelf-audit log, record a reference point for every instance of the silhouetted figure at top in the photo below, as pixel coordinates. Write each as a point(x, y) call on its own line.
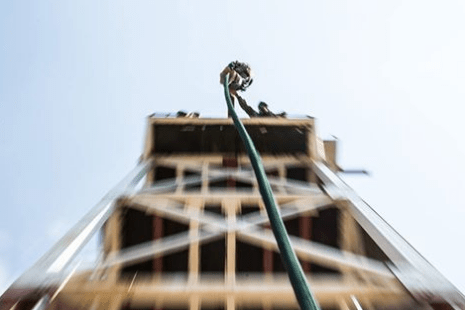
point(263, 110)
point(240, 78)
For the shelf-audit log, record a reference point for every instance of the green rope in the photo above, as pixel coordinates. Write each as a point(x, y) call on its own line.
point(296, 274)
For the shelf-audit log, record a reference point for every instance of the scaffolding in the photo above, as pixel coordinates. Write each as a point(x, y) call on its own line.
point(187, 229)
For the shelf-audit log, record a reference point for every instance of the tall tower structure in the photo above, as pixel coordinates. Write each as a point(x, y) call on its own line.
point(194, 233)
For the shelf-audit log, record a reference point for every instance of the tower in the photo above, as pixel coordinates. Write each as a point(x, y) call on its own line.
point(187, 230)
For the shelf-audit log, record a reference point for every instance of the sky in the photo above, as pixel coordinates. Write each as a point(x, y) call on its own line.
point(78, 79)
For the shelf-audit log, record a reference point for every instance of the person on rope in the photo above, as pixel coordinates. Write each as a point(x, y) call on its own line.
point(240, 78)
point(297, 276)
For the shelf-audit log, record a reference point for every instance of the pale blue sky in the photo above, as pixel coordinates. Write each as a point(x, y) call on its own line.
point(78, 78)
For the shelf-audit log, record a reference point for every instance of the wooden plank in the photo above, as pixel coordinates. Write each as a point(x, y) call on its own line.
point(230, 207)
point(253, 290)
point(270, 121)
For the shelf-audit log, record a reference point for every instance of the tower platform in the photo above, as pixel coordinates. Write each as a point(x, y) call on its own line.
point(195, 234)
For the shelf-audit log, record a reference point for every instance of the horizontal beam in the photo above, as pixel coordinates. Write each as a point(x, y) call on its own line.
point(252, 290)
point(302, 122)
point(214, 222)
point(251, 197)
point(192, 160)
point(170, 184)
point(242, 175)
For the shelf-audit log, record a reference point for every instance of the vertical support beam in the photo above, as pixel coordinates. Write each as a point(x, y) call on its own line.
point(311, 175)
point(312, 151)
point(349, 234)
point(351, 241)
point(149, 140)
point(204, 187)
point(347, 240)
point(268, 262)
point(282, 177)
point(157, 234)
point(230, 162)
point(230, 207)
point(113, 231)
point(311, 142)
point(150, 176)
point(194, 302)
point(114, 302)
point(230, 303)
point(305, 230)
point(195, 206)
point(179, 178)
point(267, 259)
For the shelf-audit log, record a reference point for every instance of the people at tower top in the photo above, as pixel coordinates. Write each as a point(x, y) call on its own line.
point(240, 78)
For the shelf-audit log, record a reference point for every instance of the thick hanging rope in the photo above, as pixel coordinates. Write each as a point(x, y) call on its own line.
point(294, 270)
